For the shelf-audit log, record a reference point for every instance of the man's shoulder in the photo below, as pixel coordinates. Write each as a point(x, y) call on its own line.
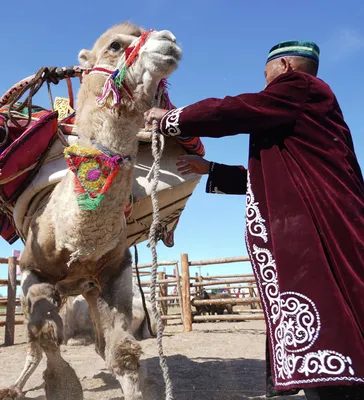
point(291, 77)
point(296, 78)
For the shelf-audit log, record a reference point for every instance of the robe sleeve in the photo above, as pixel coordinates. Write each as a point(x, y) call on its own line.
point(226, 179)
point(278, 105)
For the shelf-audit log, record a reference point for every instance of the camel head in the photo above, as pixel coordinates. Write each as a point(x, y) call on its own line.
point(127, 67)
point(126, 70)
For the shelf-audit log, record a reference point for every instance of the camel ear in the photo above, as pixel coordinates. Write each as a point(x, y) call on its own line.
point(86, 58)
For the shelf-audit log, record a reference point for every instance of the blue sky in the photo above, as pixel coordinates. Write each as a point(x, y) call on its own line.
point(225, 44)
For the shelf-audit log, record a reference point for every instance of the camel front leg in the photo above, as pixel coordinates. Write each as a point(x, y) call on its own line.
point(111, 313)
point(34, 351)
point(32, 360)
point(45, 325)
point(41, 304)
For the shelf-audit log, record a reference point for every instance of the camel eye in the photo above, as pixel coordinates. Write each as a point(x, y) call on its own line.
point(116, 46)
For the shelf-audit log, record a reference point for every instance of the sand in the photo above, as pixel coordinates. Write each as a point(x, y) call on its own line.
point(216, 361)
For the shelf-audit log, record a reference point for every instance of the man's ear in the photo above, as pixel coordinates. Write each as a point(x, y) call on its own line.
point(286, 65)
point(86, 58)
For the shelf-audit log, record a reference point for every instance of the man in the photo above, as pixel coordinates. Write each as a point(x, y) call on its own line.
point(304, 219)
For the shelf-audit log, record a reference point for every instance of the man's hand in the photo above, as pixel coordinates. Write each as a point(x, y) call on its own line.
point(154, 113)
point(190, 164)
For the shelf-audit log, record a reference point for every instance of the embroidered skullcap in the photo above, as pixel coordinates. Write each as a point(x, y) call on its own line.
point(295, 48)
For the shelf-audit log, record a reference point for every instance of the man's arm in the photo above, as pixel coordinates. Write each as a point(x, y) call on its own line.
point(278, 105)
point(226, 179)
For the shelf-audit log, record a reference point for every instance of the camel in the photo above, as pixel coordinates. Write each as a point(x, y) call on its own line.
point(76, 246)
point(77, 323)
point(212, 309)
point(78, 327)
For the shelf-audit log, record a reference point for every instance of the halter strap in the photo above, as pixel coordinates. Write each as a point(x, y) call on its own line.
point(115, 82)
point(118, 157)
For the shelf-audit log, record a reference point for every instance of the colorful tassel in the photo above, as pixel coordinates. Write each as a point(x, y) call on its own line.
point(110, 96)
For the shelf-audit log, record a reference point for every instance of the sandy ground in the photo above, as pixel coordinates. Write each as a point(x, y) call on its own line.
point(217, 361)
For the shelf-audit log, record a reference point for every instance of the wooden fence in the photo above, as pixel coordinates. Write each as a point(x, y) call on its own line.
point(174, 292)
point(169, 301)
point(10, 302)
point(244, 284)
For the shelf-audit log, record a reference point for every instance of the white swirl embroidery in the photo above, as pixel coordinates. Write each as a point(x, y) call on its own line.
point(325, 362)
point(254, 220)
point(172, 122)
point(293, 319)
point(268, 270)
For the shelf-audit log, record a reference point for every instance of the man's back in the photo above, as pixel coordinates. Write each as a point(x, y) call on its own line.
point(313, 140)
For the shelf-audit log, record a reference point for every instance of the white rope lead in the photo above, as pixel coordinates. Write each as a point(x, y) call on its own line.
point(157, 150)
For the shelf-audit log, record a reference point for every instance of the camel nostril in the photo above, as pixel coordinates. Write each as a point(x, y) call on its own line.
point(168, 35)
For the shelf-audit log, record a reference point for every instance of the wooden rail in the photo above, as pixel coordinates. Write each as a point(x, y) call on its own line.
point(219, 261)
point(228, 317)
point(4, 282)
point(241, 300)
point(225, 281)
point(4, 302)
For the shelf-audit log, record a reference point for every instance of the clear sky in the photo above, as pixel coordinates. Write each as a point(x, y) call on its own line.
point(225, 44)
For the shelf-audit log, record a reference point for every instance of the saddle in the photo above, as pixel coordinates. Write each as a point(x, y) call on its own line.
point(32, 141)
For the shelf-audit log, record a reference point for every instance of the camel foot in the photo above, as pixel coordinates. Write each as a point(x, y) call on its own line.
point(10, 394)
point(61, 381)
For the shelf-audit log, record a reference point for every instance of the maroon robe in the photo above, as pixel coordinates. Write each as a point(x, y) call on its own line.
point(304, 223)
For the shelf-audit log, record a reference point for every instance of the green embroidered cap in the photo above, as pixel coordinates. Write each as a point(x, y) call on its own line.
point(295, 48)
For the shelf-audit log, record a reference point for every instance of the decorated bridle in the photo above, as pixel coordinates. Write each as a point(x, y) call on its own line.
point(116, 84)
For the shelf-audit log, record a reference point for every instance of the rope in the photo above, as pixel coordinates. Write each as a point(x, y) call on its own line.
point(155, 229)
point(142, 293)
point(33, 86)
point(44, 74)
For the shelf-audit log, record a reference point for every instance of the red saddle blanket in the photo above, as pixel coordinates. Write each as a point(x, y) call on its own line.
point(21, 153)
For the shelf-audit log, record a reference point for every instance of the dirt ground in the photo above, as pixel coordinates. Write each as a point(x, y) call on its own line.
point(217, 361)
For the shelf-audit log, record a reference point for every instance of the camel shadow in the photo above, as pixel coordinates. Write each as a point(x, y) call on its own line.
point(201, 378)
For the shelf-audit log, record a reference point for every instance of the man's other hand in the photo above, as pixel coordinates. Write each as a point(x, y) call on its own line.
point(191, 164)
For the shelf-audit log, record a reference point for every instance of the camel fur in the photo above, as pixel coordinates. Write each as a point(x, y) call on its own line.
point(70, 251)
point(78, 327)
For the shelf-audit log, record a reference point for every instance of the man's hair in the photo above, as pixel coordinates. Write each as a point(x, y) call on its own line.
point(304, 64)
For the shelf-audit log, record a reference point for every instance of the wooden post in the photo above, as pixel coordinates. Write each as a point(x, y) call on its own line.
point(195, 288)
point(179, 291)
point(253, 306)
point(10, 309)
point(256, 294)
point(163, 293)
point(228, 289)
point(199, 279)
point(186, 296)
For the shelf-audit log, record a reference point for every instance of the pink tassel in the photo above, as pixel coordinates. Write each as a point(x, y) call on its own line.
point(110, 95)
